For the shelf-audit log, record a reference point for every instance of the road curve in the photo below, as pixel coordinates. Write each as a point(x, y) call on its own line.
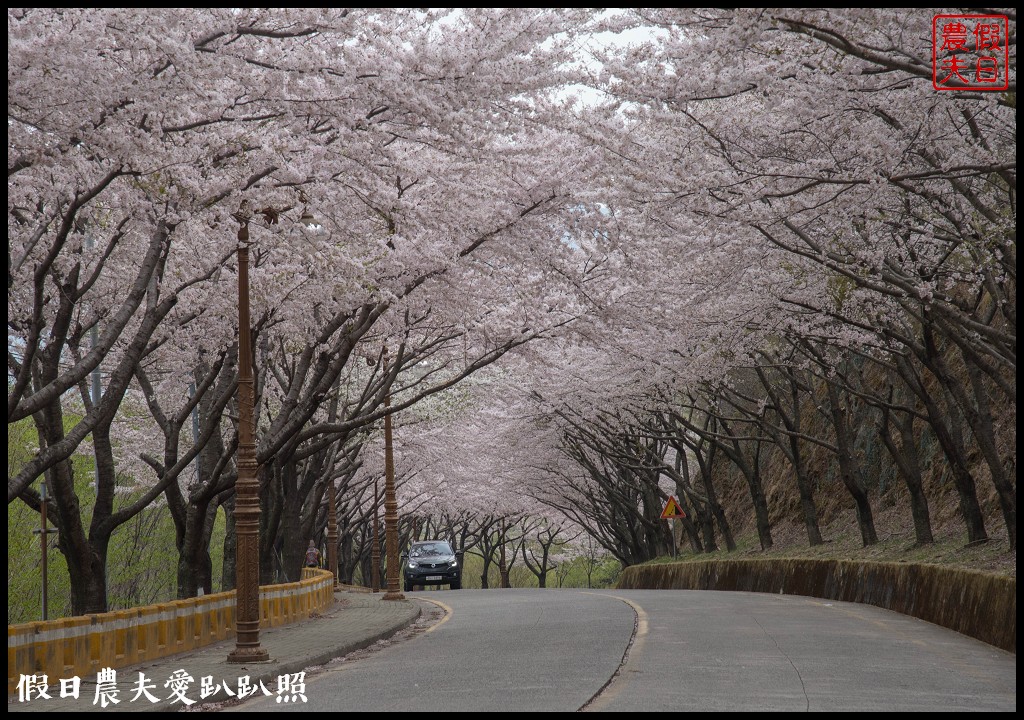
point(735, 651)
point(664, 650)
point(522, 650)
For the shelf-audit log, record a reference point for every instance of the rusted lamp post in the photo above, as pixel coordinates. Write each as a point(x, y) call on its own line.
point(390, 510)
point(332, 531)
point(247, 503)
point(375, 553)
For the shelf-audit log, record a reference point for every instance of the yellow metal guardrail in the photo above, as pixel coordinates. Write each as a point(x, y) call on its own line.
point(86, 644)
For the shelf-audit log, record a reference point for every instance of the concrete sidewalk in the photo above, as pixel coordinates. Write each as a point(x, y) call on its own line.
point(357, 620)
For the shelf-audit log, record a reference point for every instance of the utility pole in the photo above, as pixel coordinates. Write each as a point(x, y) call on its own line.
point(42, 532)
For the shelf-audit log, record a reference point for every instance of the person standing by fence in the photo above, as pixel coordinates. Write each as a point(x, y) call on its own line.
point(312, 555)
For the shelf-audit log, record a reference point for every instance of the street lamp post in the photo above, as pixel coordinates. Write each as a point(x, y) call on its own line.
point(375, 553)
point(247, 503)
point(390, 509)
point(332, 531)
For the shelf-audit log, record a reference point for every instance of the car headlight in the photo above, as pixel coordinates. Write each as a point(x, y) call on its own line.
point(412, 565)
point(455, 563)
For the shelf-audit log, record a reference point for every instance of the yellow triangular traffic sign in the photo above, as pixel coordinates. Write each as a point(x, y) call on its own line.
point(672, 509)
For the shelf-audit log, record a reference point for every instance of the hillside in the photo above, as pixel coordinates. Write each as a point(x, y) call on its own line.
point(896, 544)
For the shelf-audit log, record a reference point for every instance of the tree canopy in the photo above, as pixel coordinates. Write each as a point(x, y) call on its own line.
point(593, 258)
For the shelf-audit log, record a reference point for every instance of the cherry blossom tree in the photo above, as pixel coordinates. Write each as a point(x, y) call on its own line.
point(767, 220)
point(893, 205)
point(415, 156)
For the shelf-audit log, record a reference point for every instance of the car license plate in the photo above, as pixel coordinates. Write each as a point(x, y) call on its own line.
point(433, 577)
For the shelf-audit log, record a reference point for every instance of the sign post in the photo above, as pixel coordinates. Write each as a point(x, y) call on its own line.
point(671, 512)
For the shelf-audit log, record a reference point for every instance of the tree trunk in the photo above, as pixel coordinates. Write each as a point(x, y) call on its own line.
point(708, 531)
point(848, 470)
point(483, 575)
point(502, 563)
point(981, 422)
point(946, 426)
point(790, 446)
point(346, 550)
point(806, 489)
point(716, 507)
point(88, 585)
point(751, 470)
point(764, 526)
point(908, 465)
point(86, 556)
point(294, 541)
point(227, 576)
point(689, 528)
point(195, 567)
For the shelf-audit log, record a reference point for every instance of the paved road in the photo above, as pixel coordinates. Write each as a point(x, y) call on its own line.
point(659, 650)
point(754, 651)
point(498, 650)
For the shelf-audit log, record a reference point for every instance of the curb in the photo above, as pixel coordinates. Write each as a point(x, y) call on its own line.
point(262, 672)
point(312, 653)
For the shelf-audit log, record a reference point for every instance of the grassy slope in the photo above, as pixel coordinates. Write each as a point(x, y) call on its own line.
point(896, 543)
point(889, 502)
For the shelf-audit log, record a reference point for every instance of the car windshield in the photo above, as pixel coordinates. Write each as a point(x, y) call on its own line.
point(430, 549)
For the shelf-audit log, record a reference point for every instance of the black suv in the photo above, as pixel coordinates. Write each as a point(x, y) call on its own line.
point(432, 562)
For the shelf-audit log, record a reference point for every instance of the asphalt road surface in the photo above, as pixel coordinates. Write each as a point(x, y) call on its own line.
point(665, 650)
